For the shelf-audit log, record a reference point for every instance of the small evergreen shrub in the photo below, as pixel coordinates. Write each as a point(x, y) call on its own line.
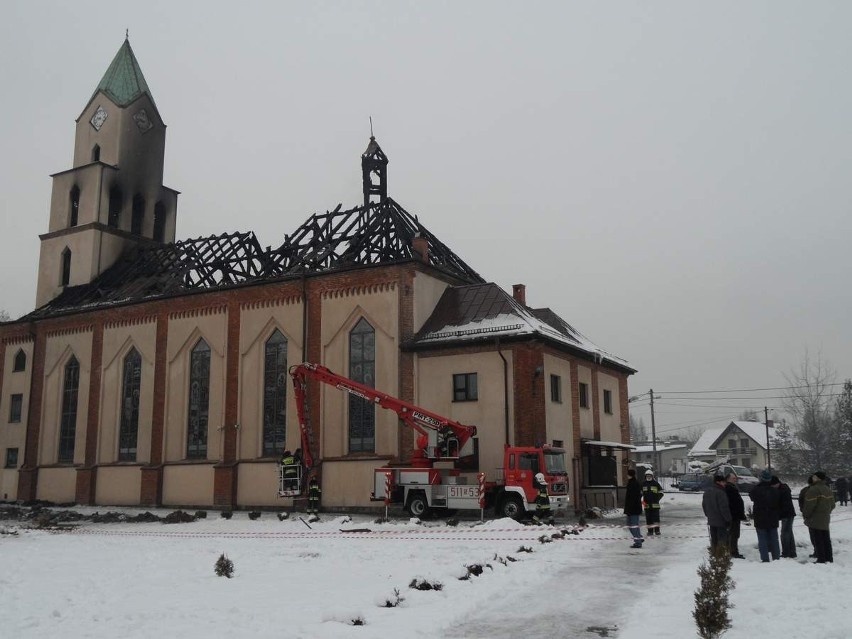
point(711, 598)
point(201, 514)
point(394, 601)
point(254, 514)
point(224, 567)
point(525, 549)
point(422, 584)
point(359, 621)
point(227, 514)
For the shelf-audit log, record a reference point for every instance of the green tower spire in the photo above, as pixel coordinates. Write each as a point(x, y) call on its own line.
point(123, 81)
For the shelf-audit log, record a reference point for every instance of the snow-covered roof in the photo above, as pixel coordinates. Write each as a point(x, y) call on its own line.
point(660, 448)
point(477, 311)
point(609, 444)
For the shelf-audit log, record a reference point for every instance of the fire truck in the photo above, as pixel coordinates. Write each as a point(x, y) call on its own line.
point(443, 472)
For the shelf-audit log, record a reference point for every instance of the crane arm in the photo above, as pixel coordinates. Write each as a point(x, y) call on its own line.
point(448, 437)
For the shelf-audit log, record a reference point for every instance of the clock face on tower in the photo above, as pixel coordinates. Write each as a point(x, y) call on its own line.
point(98, 118)
point(142, 121)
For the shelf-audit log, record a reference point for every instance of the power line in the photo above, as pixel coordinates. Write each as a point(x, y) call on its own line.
point(748, 390)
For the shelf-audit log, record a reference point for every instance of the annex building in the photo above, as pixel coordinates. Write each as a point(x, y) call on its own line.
point(154, 371)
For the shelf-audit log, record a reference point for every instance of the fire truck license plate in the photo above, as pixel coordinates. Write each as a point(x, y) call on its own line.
point(463, 492)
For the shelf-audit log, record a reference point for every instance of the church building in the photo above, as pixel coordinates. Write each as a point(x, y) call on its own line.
point(154, 371)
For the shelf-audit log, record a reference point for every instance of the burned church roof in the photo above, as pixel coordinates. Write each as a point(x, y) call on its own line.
point(377, 233)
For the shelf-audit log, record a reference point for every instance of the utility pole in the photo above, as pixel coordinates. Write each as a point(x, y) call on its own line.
point(766, 422)
point(654, 436)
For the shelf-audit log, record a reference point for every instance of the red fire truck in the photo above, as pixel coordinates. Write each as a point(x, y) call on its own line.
point(421, 486)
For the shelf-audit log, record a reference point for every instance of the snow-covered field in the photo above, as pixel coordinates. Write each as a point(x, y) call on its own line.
point(148, 580)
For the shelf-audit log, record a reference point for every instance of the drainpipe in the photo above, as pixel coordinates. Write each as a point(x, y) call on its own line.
point(505, 391)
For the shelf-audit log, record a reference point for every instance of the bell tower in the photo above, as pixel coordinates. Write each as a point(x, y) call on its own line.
point(113, 198)
point(374, 172)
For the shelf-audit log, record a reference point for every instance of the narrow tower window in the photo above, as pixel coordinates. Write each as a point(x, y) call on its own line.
point(199, 401)
point(75, 206)
point(159, 222)
point(66, 267)
point(20, 361)
point(96, 153)
point(274, 394)
point(68, 424)
point(129, 428)
point(362, 368)
point(114, 207)
point(138, 215)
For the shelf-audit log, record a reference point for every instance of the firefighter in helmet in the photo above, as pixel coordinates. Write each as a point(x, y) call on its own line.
point(314, 494)
point(288, 467)
point(652, 494)
point(542, 501)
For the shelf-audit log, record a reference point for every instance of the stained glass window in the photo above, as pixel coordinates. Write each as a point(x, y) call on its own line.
point(199, 401)
point(128, 431)
point(274, 394)
point(362, 368)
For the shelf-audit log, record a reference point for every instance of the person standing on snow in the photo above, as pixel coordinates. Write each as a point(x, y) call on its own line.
point(802, 494)
point(542, 501)
point(735, 502)
point(718, 513)
point(788, 513)
point(633, 508)
point(767, 515)
point(819, 502)
point(314, 494)
point(652, 494)
point(842, 486)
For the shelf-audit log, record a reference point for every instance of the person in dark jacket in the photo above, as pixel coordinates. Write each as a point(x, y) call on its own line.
point(735, 502)
point(766, 513)
point(652, 494)
point(819, 502)
point(842, 486)
point(718, 513)
point(787, 513)
point(314, 494)
point(633, 508)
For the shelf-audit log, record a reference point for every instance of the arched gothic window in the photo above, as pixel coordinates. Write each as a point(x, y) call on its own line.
point(128, 430)
point(96, 153)
point(65, 276)
point(159, 222)
point(20, 361)
point(274, 394)
point(68, 421)
point(138, 215)
point(362, 368)
point(199, 401)
point(74, 213)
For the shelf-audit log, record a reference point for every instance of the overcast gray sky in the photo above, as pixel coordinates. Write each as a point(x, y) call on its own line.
point(672, 178)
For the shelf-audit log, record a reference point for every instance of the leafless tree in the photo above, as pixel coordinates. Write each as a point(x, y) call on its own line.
point(809, 404)
point(4, 316)
point(748, 415)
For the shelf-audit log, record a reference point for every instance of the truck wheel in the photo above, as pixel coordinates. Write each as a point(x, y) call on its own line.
point(511, 506)
point(418, 506)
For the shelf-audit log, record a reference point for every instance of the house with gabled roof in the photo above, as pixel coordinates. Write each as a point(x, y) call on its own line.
point(153, 371)
point(742, 443)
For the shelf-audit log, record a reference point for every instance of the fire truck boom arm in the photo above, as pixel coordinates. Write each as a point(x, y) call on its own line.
point(420, 419)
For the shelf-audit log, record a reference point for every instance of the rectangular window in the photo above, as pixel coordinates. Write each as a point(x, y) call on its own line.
point(558, 443)
point(17, 401)
point(362, 368)
point(465, 387)
point(746, 462)
point(11, 458)
point(556, 389)
point(584, 395)
point(744, 444)
point(732, 444)
point(608, 402)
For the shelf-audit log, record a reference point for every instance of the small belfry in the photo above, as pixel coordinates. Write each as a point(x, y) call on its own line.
point(113, 198)
point(374, 172)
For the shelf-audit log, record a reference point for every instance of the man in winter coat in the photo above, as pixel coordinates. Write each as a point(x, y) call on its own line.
point(819, 502)
point(842, 486)
point(735, 502)
point(766, 513)
point(652, 494)
point(633, 508)
point(802, 494)
point(788, 513)
point(718, 513)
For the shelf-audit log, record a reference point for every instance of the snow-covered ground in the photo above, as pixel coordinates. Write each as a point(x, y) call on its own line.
point(146, 580)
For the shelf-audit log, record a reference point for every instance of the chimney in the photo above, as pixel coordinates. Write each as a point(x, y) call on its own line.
point(420, 248)
point(519, 292)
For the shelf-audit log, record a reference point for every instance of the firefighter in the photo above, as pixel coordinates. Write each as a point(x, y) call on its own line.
point(542, 501)
point(314, 494)
point(288, 467)
point(652, 493)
